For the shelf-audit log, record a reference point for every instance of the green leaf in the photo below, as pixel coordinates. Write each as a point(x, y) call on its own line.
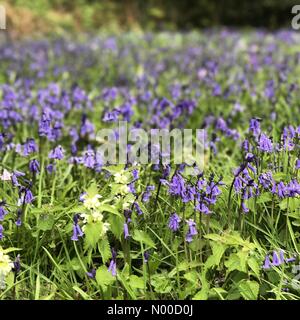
point(254, 266)
point(104, 278)
point(213, 236)
point(203, 293)
point(249, 289)
point(191, 276)
point(264, 197)
point(279, 176)
point(93, 233)
point(46, 222)
point(116, 225)
point(92, 190)
point(109, 208)
point(142, 236)
point(104, 249)
point(218, 250)
point(136, 282)
point(234, 263)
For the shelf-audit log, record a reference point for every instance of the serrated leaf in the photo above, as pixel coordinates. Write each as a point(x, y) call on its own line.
point(254, 266)
point(45, 222)
point(249, 289)
point(104, 278)
point(234, 263)
point(92, 190)
point(264, 197)
point(116, 225)
point(218, 250)
point(109, 208)
point(104, 249)
point(142, 236)
point(136, 282)
point(92, 233)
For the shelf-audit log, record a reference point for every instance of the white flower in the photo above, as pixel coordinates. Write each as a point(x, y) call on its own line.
point(121, 177)
point(124, 190)
point(92, 202)
point(6, 175)
point(5, 267)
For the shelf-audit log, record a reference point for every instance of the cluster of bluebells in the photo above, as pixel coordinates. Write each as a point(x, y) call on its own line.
point(202, 194)
point(47, 127)
point(278, 258)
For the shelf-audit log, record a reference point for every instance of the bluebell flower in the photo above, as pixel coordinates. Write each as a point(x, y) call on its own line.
point(77, 232)
point(147, 194)
point(254, 127)
point(91, 274)
point(50, 168)
point(3, 211)
point(267, 263)
point(57, 153)
point(265, 143)
point(34, 166)
point(113, 263)
point(19, 221)
point(29, 147)
point(138, 208)
point(192, 231)
point(146, 256)
point(174, 222)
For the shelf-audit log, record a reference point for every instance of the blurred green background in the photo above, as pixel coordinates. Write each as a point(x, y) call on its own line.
point(47, 16)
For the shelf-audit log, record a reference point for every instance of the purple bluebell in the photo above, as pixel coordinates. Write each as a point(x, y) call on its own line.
point(57, 153)
point(174, 222)
point(146, 256)
point(34, 166)
point(29, 147)
point(19, 221)
point(147, 194)
point(265, 143)
point(192, 231)
point(254, 127)
point(267, 263)
point(77, 232)
point(50, 168)
point(91, 274)
point(113, 263)
point(17, 264)
point(3, 211)
point(138, 208)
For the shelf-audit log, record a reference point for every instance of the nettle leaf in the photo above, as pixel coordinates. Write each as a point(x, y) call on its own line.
point(254, 266)
point(142, 236)
point(136, 282)
point(116, 225)
point(234, 263)
point(249, 289)
point(110, 209)
point(93, 233)
point(92, 190)
point(46, 222)
point(214, 237)
point(264, 197)
point(114, 169)
point(104, 249)
point(192, 277)
point(279, 176)
point(104, 278)
point(161, 283)
point(204, 292)
point(218, 250)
